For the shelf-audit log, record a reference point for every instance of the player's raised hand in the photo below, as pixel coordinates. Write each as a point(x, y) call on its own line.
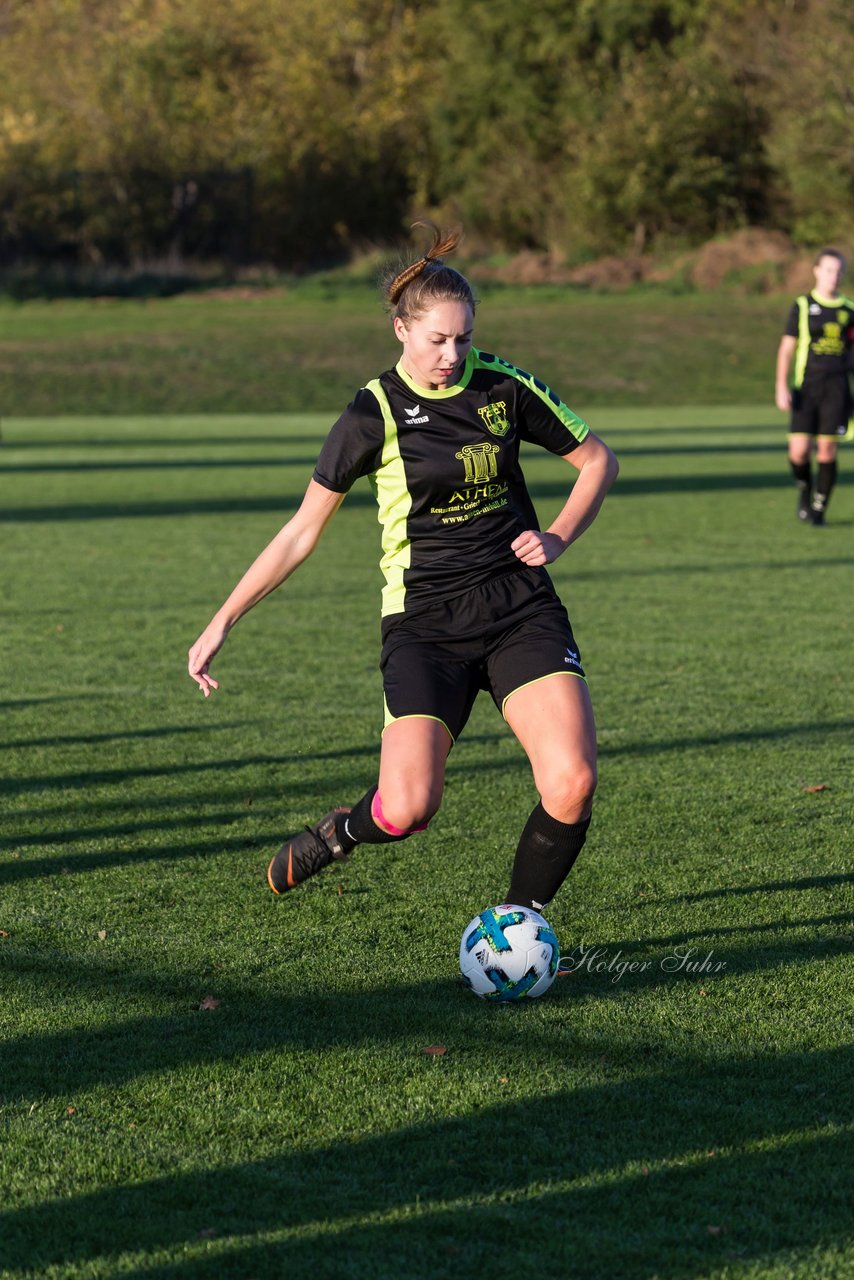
point(533, 547)
point(202, 654)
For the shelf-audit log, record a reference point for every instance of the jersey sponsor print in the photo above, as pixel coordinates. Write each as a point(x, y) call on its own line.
point(444, 466)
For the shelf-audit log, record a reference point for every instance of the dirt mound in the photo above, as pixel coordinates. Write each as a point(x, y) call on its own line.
point(752, 259)
point(799, 277)
point(749, 250)
point(612, 272)
point(528, 267)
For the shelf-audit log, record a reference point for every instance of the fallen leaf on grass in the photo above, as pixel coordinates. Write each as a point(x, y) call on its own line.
point(207, 1233)
point(434, 1050)
point(821, 786)
point(503, 1079)
point(69, 1111)
point(102, 933)
point(210, 1002)
point(4, 933)
point(716, 1231)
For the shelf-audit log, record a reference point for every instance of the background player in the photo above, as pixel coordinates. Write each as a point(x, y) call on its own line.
point(467, 604)
point(819, 336)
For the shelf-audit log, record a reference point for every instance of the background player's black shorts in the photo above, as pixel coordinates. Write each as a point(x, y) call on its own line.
point(499, 636)
point(822, 406)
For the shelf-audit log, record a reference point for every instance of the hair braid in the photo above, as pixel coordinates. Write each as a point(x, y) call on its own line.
point(414, 288)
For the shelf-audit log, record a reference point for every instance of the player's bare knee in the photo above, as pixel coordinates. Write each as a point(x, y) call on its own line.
point(570, 792)
point(408, 810)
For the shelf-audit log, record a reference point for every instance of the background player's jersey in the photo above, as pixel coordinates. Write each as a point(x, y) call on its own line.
point(444, 466)
point(825, 335)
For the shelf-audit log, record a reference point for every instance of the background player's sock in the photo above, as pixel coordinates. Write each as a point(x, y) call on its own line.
point(803, 479)
point(824, 485)
point(546, 852)
point(802, 473)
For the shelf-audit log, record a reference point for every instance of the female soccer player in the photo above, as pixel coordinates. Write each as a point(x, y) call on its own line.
point(467, 602)
point(819, 336)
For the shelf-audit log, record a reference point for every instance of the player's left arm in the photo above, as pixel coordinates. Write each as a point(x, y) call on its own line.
point(597, 469)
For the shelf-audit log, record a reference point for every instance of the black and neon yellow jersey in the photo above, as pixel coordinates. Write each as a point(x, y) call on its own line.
point(444, 467)
point(824, 328)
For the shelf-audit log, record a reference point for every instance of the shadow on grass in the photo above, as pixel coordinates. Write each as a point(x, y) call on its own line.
point(288, 796)
point(711, 568)
point(184, 822)
point(769, 886)
point(669, 1173)
point(692, 450)
point(729, 931)
point(688, 429)
point(124, 775)
point(201, 441)
point(810, 729)
point(671, 1224)
point(256, 1017)
point(11, 704)
point(281, 503)
point(641, 486)
point(202, 463)
point(238, 505)
point(70, 862)
point(128, 735)
point(84, 779)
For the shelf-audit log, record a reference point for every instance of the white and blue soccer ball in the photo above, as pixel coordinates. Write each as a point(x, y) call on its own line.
point(508, 952)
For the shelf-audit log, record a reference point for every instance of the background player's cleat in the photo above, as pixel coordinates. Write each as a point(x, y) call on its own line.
point(804, 504)
point(817, 516)
point(306, 853)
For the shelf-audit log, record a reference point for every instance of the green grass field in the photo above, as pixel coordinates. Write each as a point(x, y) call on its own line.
point(661, 1123)
point(308, 347)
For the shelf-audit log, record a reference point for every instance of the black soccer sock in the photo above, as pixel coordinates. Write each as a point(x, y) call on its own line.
point(544, 858)
point(358, 826)
point(824, 484)
point(803, 475)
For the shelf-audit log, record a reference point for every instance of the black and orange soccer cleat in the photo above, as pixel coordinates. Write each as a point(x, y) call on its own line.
point(306, 853)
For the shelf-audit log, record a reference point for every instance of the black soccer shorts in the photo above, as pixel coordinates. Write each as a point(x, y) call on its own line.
point(498, 637)
point(821, 407)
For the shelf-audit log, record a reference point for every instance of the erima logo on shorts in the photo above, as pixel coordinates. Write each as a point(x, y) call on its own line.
point(413, 420)
point(572, 657)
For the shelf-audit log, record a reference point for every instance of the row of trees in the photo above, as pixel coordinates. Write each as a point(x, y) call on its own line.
point(291, 130)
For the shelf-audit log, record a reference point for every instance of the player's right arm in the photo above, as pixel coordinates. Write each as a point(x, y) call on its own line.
point(294, 542)
point(785, 352)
